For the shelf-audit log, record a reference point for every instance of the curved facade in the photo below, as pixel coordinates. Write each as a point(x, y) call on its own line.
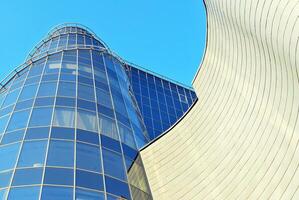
point(69, 126)
point(240, 141)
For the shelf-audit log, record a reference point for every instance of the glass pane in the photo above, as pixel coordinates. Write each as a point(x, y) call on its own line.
point(3, 194)
point(37, 133)
point(87, 136)
point(89, 180)
point(126, 135)
point(29, 176)
point(88, 195)
point(59, 176)
point(5, 179)
point(64, 117)
point(61, 153)
point(86, 92)
point(47, 89)
point(24, 193)
point(8, 156)
point(28, 92)
point(41, 117)
point(57, 193)
point(33, 154)
point(117, 187)
point(86, 120)
point(113, 164)
point(108, 127)
point(67, 89)
point(13, 137)
point(18, 120)
point(63, 133)
point(88, 157)
point(11, 98)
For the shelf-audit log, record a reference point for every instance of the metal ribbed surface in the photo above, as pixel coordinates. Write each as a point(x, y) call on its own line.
point(240, 140)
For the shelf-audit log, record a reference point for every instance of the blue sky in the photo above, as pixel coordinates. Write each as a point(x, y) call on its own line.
point(164, 36)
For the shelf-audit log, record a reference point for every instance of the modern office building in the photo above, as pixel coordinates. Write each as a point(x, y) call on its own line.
point(77, 122)
point(74, 116)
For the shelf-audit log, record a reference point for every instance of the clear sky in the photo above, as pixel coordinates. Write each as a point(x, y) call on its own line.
point(164, 36)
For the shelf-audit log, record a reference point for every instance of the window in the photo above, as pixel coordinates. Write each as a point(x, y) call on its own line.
point(11, 98)
point(13, 136)
point(108, 127)
point(86, 92)
point(33, 154)
point(57, 193)
point(3, 123)
point(28, 92)
point(18, 120)
point(36, 68)
point(41, 116)
point(88, 157)
point(24, 104)
point(86, 120)
point(116, 187)
point(5, 179)
point(37, 133)
point(59, 176)
point(126, 135)
point(113, 164)
point(88, 105)
point(87, 136)
point(47, 89)
point(63, 133)
point(61, 101)
point(104, 98)
point(67, 89)
point(47, 101)
point(88, 195)
point(61, 153)
point(8, 156)
point(89, 180)
point(64, 117)
point(29, 176)
point(110, 143)
point(24, 193)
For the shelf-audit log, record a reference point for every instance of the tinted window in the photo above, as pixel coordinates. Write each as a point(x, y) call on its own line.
point(67, 89)
point(59, 176)
point(41, 116)
point(24, 193)
point(86, 120)
point(37, 133)
point(47, 89)
point(13, 137)
point(88, 157)
point(89, 180)
point(119, 188)
point(63, 133)
point(88, 195)
point(27, 176)
point(113, 164)
point(61, 153)
point(33, 154)
point(5, 179)
point(8, 156)
point(87, 136)
point(28, 92)
point(64, 117)
point(18, 120)
point(57, 193)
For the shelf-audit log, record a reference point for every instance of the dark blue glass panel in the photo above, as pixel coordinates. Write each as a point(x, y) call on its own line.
point(13, 137)
point(33, 154)
point(86, 105)
point(113, 164)
point(84, 80)
point(110, 143)
point(105, 111)
point(86, 92)
point(11, 98)
point(88, 157)
point(87, 136)
point(44, 101)
point(5, 179)
point(41, 116)
point(50, 77)
point(88, 195)
point(63, 133)
point(37, 133)
point(89, 180)
point(128, 151)
point(61, 101)
point(57, 193)
point(6, 110)
point(24, 193)
point(68, 77)
point(59, 176)
point(29, 176)
point(118, 188)
point(61, 153)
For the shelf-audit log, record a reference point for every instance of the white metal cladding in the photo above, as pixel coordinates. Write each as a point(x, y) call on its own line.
point(240, 140)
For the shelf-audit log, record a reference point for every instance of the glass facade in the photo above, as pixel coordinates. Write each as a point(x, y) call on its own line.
point(70, 125)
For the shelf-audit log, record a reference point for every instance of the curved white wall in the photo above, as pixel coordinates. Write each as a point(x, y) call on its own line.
point(241, 139)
